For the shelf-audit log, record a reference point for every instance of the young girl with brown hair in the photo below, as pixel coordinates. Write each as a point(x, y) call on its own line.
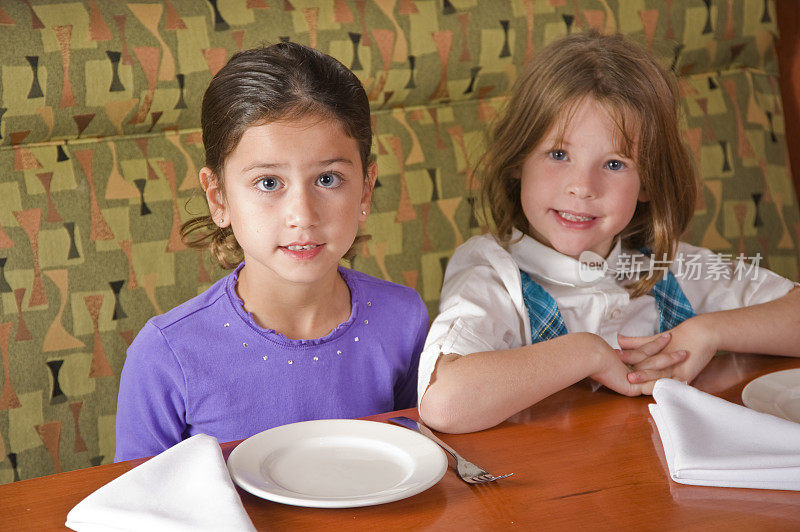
point(289, 335)
point(587, 166)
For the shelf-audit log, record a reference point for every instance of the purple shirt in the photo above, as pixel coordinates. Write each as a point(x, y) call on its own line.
point(207, 367)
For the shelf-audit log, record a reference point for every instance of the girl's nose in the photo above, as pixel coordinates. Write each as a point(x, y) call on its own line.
point(582, 184)
point(302, 209)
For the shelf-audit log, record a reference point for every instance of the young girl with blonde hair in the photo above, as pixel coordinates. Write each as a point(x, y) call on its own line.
point(587, 167)
point(289, 335)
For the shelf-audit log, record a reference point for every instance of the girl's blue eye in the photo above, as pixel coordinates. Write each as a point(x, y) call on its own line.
point(329, 180)
point(268, 184)
point(558, 155)
point(615, 165)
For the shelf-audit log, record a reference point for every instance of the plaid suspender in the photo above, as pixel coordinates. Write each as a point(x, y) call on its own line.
point(547, 323)
point(543, 313)
point(673, 307)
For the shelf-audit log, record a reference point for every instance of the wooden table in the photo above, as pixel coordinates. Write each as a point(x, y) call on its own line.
point(582, 460)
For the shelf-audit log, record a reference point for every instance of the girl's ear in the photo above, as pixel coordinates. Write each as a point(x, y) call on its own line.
point(644, 196)
point(214, 196)
point(369, 186)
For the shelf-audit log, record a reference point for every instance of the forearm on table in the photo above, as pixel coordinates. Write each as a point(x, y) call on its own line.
point(480, 390)
point(768, 328)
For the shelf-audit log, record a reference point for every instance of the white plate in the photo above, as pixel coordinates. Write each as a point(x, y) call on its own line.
point(775, 393)
point(336, 463)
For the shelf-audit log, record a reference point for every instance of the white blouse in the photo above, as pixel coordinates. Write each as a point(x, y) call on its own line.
point(482, 308)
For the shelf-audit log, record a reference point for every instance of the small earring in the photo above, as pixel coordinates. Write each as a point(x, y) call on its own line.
point(364, 213)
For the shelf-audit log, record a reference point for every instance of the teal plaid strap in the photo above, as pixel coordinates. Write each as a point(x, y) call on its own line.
point(543, 314)
point(673, 306)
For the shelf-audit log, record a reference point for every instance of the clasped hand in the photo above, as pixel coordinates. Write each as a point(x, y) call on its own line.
point(680, 353)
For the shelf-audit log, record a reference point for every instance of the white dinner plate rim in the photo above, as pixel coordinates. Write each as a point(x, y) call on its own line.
point(246, 456)
point(750, 393)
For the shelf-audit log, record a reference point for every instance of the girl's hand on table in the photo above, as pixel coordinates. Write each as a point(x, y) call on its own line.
point(691, 346)
point(615, 373)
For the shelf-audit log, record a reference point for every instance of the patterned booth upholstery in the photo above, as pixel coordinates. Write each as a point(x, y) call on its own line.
point(100, 148)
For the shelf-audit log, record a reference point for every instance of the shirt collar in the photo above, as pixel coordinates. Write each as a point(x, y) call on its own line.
point(545, 263)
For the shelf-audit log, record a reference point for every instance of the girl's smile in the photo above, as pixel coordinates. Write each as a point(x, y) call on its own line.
point(301, 252)
point(571, 219)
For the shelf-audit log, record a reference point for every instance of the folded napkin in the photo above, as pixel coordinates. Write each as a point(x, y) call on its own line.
point(186, 487)
point(711, 442)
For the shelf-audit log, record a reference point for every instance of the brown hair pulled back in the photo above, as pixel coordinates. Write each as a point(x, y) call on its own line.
point(643, 99)
point(284, 81)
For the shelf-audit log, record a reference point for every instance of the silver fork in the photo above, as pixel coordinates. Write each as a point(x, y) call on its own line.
point(469, 472)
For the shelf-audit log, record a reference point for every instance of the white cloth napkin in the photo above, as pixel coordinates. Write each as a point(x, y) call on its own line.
point(711, 442)
point(186, 487)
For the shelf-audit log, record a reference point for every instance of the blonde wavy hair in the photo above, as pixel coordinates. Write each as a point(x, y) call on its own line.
point(639, 94)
